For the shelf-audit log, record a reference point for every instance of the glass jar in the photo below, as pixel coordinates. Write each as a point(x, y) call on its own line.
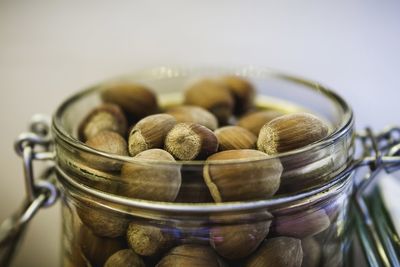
point(201, 213)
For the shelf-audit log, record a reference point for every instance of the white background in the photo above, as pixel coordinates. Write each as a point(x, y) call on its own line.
point(50, 49)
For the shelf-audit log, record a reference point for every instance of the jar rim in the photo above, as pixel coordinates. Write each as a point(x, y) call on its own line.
point(346, 124)
point(325, 190)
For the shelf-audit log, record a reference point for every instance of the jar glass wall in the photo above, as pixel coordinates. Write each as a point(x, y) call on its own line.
point(306, 223)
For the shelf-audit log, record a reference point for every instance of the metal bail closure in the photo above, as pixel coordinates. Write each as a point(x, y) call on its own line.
point(380, 152)
point(33, 145)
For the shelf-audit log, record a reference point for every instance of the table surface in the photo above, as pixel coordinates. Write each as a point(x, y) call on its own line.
point(50, 49)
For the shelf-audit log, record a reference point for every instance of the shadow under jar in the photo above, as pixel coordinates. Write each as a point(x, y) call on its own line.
point(209, 213)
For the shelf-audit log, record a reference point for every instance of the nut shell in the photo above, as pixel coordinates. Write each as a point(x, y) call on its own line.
point(290, 132)
point(189, 141)
point(245, 175)
point(148, 240)
point(278, 252)
point(146, 179)
point(235, 137)
point(213, 96)
point(191, 255)
point(136, 100)
point(255, 121)
point(106, 117)
point(149, 133)
point(124, 258)
point(194, 114)
point(228, 240)
point(106, 141)
point(243, 92)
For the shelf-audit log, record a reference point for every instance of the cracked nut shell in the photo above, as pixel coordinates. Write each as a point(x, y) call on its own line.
point(246, 175)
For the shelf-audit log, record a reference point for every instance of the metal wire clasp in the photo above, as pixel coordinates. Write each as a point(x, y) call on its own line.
point(33, 145)
point(381, 152)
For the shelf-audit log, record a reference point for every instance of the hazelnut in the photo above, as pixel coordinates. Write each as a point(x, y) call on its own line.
point(148, 240)
point(255, 121)
point(154, 175)
point(194, 114)
point(245, 175)
point(101, 222)
point(97, 250)
point(106, 141)
point(189, 141)
point(124, 258)
point(149, 133)
point(213, 96)
point(311, 252)
point(235, 137)
point(277, 252)
point(136, 100)
point(229, 237)
point(106, 117)
point(302, 224)
point(191, 255)
point(242, 91)
point(290, 132)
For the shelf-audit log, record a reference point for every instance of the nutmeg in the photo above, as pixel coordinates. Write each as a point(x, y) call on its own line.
point(235, 137)
point(149, 133)
point(277, 252)
point(189, 141)
point(106, 117)
point(191, 255)
point(136, 100)
point(101, 222)
point(96, 250)
point(311, 252)
point(254, 121)
point(301, 224)
point(243, 92)
point(212, 95)
point(195, 114)
point(153, 175)
point(124, 258)
point(246, 174)
point(232, 232)
point(148, 240)
point(290, 132)
point(106, 141)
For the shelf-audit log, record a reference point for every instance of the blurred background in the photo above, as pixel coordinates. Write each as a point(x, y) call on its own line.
point(50, 49)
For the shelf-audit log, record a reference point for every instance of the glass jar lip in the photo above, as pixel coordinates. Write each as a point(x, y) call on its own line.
point(164, 72)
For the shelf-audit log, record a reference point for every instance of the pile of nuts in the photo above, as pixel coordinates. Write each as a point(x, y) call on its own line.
point(220, 124)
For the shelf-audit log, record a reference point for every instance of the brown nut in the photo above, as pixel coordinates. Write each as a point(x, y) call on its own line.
point(106, 141)
point(290, 132)
point(194, 114)
point(97, 250)
point(189, 141)
point(154, 175)
point(246, 175)
point(302, 224)
point(193, 188)
point(106, 117)
point(256, 120)
point(311, 252)
point(191, 255)
point(148, 240)
point(213, 96)
point(242, 91)
point(150, 133)
point(235, 137)
point(124, 258)
point(101, 222)
point(228, 240)
point(136, 100)
point(277, 252)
